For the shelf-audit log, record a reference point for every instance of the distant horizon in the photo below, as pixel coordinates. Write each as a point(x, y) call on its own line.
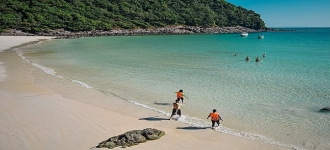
point(289, 13)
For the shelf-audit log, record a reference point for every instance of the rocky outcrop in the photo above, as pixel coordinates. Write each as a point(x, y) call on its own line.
point(325, 109)
point(61, 33)
point(131, 138)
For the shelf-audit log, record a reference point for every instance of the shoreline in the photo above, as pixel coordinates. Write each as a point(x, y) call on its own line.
point(171, 30)
point(43, 112)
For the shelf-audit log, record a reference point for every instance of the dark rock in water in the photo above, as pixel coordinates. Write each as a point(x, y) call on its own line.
point(325, 109)
point(131, 138)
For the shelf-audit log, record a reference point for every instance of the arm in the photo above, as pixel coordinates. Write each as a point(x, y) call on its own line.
point(185, 96)
point(208, 116)
point(220, 118)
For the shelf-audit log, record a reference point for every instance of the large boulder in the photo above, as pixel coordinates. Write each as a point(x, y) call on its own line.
point(325, 109)
point(152, 134)
point(131, 138)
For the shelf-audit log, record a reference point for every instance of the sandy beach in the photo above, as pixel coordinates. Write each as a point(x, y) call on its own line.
point(39, 111)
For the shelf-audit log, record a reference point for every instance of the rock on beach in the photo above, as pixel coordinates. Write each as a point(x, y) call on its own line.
point(131, 138)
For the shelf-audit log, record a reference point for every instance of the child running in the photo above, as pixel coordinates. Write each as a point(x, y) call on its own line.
point(215, 118)
point(176, 109)
point(180, 95)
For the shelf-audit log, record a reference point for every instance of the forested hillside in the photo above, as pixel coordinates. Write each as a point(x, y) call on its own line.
point(85, 15)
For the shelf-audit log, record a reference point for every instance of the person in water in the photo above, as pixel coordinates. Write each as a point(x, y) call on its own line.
point(258, 59)
point(247, 58)
point(215, 118)
point(176, 109)
point(180, 95)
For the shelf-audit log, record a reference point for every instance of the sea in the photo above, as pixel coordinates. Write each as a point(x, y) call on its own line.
point(276, 100)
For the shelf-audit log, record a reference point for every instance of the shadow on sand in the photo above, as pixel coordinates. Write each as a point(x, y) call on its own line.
point(192, 128)
point(164, 104)
point(156, 118)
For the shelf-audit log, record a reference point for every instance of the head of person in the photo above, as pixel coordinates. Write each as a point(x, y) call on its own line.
point(181, 91)
point(177, 100)
point(214, 110)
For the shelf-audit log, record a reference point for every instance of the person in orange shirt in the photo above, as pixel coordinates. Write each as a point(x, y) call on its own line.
point(215, 118)
point(180, 95)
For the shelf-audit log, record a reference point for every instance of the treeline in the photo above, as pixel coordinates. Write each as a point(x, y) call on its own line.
point(86, 15)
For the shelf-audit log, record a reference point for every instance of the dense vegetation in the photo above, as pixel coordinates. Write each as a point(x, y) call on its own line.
point(82, 15)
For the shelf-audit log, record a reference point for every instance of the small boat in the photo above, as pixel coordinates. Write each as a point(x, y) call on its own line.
point(261, 36)
point(244, 34)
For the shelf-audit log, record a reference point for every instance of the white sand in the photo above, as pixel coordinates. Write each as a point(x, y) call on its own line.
point(11, 41)
point(41, 112)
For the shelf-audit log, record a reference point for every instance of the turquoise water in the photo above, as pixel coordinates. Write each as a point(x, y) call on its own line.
point(274, 101)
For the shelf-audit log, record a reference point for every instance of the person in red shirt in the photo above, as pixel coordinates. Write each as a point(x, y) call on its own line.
point(180, 95)
point(215, 117)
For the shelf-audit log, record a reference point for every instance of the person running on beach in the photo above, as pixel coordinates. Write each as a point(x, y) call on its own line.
point(180, 95)
point(176, 109)
point(215, 118)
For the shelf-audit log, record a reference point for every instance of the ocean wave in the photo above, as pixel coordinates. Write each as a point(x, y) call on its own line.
point(51, 71)
point(82, 84)
point(43, 68)
point(39, 42)
point(47, 70)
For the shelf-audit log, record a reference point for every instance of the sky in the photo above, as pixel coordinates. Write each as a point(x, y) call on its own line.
point(289, 13)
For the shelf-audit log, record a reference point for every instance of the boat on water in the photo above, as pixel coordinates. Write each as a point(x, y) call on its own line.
point(261, 36)
point(244, 34)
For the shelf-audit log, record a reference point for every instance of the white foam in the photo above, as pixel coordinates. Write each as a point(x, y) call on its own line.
point(47, 70)
point(38, 43)
point(255, 137)
point(82, 84)
point(43, 68)
point(145, 106)
point(51, 71)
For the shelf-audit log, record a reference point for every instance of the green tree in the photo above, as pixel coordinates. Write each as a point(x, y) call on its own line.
point(81, 15)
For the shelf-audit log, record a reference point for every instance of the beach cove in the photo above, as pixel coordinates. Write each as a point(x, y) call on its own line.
point(39, 111)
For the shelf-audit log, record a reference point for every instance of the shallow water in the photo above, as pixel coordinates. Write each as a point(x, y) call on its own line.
point(275, 100)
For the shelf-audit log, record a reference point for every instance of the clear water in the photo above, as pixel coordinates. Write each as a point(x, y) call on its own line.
point(274, 101)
